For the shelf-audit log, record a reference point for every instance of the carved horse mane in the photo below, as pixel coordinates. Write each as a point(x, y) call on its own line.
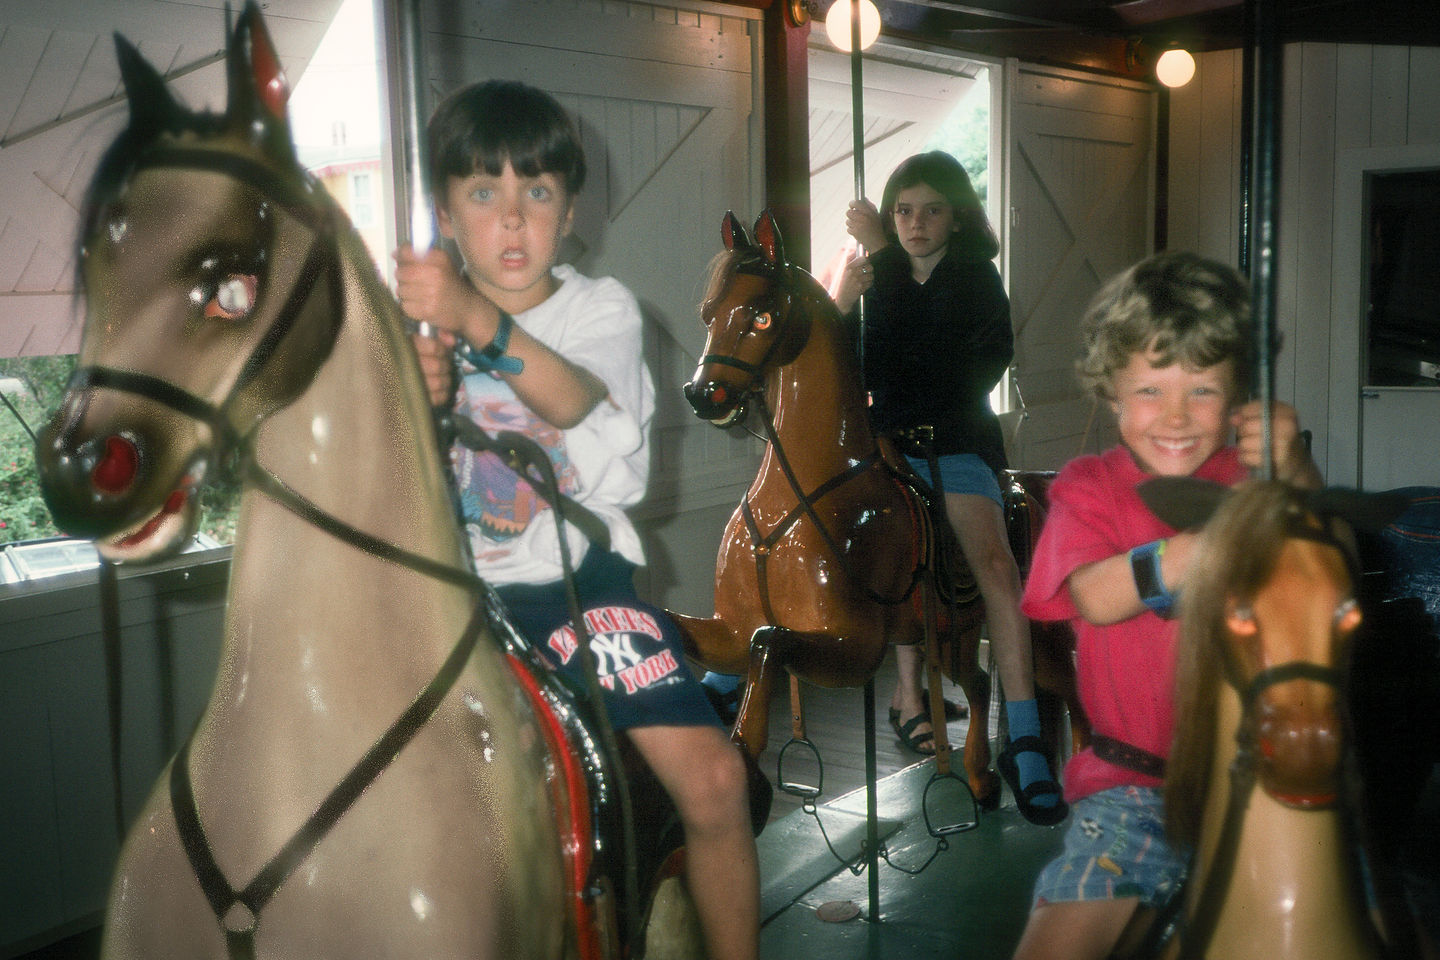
point(1242, 545)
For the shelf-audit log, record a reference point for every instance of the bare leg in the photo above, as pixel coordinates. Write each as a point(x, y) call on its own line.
point(704, 774)
point(1075, 931)
point(907, 699)
point(980, 526)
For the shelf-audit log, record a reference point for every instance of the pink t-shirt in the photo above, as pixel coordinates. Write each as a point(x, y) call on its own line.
point(1125, 671)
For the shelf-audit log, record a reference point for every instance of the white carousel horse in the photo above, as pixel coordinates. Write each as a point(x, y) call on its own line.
point(375, 772)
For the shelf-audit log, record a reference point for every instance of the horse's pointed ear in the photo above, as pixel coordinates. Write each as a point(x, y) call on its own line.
point(258, 90)
point(1182, 502)
point(767, 235)
point(733, 232)
point(151, 103)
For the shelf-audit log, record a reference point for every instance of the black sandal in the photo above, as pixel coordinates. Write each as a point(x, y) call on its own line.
point(1024, 799)
point(906, 732)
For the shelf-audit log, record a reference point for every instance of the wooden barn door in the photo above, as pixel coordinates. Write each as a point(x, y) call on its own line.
point(1080, 191)
point(667, 98)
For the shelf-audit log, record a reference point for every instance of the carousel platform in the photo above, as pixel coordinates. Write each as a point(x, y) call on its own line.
point(970, 900)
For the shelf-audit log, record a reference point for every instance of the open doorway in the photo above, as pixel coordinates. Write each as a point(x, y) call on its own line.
point(915, 100)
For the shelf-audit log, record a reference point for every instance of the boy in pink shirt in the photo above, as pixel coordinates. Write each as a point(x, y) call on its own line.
point(1168, 346)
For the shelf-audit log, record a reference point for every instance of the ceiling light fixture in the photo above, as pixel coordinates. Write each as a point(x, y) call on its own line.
point(837, 23)
point(1175, 68)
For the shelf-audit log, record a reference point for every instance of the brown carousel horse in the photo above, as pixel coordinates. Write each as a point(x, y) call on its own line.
point(383, 769)
point(1268, 615)
point(820, 566)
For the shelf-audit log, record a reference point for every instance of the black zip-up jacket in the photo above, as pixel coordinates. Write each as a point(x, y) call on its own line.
point(934, 351)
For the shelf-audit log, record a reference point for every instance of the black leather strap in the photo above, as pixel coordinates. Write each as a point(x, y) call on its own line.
point(1127, 755)
point(224, 898)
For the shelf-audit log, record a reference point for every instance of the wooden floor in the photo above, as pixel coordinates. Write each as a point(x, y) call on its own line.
point(835, 725)
point(963, 895)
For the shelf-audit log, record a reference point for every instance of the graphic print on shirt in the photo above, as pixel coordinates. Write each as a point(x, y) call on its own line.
point(492, 496)
point(630, 652)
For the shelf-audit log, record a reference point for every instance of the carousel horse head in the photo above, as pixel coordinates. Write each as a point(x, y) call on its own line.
point(208, 264)
point(753, 319)
point(1268, 609)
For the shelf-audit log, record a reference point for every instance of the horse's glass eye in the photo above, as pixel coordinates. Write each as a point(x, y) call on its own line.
point(233, 297)
point(762, 321)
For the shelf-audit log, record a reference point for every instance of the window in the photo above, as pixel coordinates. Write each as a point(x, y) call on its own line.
point(362, 199)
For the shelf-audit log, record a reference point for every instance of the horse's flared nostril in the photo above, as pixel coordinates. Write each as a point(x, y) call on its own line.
point(707, 399)
point(116, 470)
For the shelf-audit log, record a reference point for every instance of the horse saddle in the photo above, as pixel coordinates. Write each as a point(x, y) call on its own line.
point(593, 778)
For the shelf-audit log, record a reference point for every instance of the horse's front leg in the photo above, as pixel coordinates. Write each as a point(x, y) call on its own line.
point(820, 658)
point(964, 669)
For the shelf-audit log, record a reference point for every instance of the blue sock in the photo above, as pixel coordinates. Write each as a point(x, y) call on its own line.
point(1023, 717)
point(720, 682)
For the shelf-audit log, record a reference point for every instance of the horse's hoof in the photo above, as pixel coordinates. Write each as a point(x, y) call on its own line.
point(987, 792)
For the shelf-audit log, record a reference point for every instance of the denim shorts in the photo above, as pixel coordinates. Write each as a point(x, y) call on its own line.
point(1114, 848)
point(962, 473)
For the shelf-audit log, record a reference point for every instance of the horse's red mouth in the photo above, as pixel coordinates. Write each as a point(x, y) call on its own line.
point(173, 505)
point(158, 534)
point(1305, 801)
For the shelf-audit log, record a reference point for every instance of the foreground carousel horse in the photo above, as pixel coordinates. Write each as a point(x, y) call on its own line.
point(376, 770)
point(1268, 614)
point(819, 566)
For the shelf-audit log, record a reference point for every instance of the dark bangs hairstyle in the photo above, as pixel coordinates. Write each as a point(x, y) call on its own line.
point(1177, 306)
point(974, 238)
point(480, 127)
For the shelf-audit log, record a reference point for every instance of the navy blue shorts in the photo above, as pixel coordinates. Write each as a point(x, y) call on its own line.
point(639, 659)
point(962, 473)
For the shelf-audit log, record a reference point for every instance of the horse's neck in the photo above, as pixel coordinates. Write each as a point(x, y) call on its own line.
point(817, 397)
point(307, 608)
point(1293, 891)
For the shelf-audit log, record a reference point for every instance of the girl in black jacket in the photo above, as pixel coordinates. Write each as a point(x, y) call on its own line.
point(937, 339)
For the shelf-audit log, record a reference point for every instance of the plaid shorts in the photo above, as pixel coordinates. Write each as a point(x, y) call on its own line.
point(1114, 848)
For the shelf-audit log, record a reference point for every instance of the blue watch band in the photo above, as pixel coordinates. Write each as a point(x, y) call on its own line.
point(1149, 582)
point(493, 358)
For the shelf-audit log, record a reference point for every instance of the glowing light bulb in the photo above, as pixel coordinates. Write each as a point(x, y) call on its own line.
point(1175, 68)
point(837, 23)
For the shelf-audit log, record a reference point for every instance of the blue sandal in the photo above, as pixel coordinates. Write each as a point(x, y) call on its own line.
point(1024, 799)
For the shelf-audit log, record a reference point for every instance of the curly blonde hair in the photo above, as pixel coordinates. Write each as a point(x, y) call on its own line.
point(1178, 306)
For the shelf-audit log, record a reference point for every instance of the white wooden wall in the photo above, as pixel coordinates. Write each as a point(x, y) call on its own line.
point(1338, 99)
